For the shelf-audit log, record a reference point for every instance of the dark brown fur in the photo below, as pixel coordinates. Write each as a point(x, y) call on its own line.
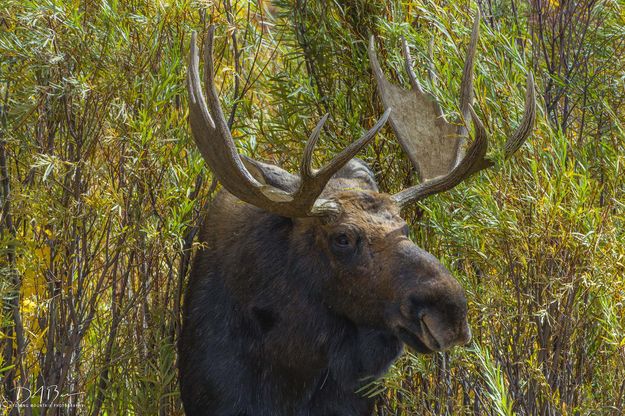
point(292, 316)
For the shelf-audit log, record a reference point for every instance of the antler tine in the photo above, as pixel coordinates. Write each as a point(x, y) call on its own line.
point(306, 164)
point(527, 122)
point(408, 66)
point(466, 85)
point(214, 140)
point(352, 149)
point(432, 77)
point(416, 85)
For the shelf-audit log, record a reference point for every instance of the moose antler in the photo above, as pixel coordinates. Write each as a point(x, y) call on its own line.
point(434, 146)
point(213, 138)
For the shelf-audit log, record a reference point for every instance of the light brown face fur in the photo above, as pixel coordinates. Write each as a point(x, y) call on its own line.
point(380, 278)
point(356, 242)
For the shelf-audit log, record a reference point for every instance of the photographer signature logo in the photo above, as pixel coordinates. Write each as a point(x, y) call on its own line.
point(43, 396)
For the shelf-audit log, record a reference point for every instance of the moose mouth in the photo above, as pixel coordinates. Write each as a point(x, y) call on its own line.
point(419, 338)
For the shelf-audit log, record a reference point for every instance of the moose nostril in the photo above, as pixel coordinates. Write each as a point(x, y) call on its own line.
point(417, 309)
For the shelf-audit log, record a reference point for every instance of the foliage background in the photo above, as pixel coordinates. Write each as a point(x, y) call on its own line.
point(102, 189)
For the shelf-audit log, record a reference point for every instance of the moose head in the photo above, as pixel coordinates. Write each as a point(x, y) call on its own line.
point(308, 283)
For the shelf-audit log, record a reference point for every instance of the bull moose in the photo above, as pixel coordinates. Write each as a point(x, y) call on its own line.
point(307, 286)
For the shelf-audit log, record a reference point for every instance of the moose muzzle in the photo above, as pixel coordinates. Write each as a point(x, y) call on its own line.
point(432, 311)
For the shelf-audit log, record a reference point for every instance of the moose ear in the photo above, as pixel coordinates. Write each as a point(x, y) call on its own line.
point(271, 175)
point(359, 170)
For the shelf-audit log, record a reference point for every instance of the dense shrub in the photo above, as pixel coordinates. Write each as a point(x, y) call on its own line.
point(102, 189)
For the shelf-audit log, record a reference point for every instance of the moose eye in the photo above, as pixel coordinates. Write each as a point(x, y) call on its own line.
point(342, 241)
